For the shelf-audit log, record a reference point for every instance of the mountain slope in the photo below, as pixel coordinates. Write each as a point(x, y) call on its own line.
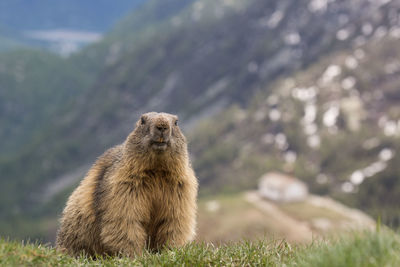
point(199, 59)
point(296, 222)
point(334, 125)
point(27, 80)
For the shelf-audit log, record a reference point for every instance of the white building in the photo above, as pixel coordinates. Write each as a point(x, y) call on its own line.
point(282, 188)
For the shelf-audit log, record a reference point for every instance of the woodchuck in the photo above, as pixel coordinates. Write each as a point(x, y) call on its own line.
point(138, 195)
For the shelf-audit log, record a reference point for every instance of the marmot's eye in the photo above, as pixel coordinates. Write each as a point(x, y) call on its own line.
point(142, 120)
point(176, 122)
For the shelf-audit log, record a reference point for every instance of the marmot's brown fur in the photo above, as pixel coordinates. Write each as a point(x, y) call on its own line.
point(140, 194)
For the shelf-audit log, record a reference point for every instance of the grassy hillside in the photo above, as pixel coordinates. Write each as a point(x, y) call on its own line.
point(355, 249)
point(35, 85)
point(296, 222)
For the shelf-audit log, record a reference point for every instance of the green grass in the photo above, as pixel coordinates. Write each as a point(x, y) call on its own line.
point(353, 249)
point(362, 249)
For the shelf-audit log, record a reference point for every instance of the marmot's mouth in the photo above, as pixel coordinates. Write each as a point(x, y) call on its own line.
point(159, 145)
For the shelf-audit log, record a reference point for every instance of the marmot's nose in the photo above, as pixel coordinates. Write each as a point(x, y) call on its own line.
point(162, 128)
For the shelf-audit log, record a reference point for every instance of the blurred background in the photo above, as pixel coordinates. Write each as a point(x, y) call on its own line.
point(291, 108)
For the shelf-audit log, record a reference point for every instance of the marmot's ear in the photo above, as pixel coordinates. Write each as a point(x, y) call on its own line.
point(142, 120)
